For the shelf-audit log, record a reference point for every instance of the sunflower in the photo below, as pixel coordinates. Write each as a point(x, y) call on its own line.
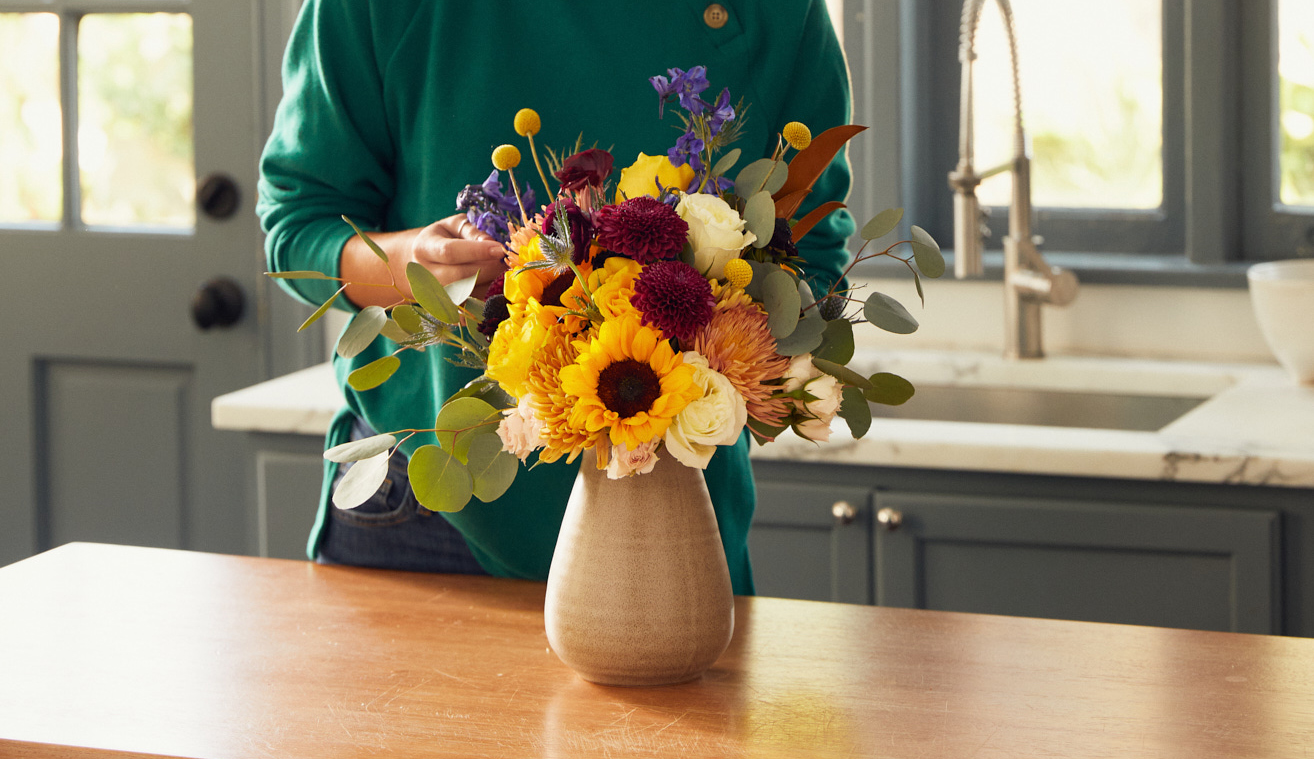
point(628, 381)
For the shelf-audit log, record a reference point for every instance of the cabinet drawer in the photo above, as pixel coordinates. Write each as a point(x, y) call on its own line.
point(800, 548)
point(1133, 563)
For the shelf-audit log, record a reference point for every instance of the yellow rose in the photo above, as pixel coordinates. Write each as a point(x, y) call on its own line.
point(647, 172)
point(514, 348)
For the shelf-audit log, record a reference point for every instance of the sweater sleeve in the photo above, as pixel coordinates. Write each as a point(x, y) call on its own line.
point(330, 153)
point(819, 97)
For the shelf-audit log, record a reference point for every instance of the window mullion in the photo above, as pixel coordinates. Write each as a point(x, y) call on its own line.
point(1213, 169)
point(68, 96)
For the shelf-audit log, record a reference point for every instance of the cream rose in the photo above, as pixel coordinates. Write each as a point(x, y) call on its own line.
point(814, 430)
point(715, 419)
point(829, 394)
point(624, 462)
point(800, 371)
point(716, 232)
point(521, 432)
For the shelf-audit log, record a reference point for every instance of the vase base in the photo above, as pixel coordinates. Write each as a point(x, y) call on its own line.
point(639, 681)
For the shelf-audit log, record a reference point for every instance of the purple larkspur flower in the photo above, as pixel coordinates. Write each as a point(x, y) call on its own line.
point(688, 85)
point(687, 150)
point(721, 113)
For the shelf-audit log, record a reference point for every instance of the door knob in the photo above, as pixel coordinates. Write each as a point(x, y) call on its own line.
point(843, 512)
point(217, 196)
point(219, 303)
point(889, 518)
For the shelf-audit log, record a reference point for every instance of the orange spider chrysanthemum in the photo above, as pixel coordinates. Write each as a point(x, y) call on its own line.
point(551, 403)
point(629, 382)
point(739, 345)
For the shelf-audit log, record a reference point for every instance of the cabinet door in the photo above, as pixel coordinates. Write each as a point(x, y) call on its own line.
point(1201, 568)
point(812, 542)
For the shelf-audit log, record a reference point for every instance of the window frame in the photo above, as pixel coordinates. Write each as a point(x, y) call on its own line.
point(1220, 145)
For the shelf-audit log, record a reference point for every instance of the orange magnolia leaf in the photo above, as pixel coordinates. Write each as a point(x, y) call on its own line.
point(817, 214)
point(787, 205)
point(812, 160)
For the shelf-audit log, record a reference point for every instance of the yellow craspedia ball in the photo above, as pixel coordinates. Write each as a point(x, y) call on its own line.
point(506, 157)
point(738, 272)
point(527, 122)
point(797, 135)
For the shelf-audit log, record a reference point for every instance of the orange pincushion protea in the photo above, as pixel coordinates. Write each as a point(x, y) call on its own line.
point(739, 345)
point(628, 381)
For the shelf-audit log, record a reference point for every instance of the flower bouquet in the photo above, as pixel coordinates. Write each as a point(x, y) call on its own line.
point(654, 318)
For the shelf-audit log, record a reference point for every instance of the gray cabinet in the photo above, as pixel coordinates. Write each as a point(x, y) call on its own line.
point(812, 541)
point(1136, 563)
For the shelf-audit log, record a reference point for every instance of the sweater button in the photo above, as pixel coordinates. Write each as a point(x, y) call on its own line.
point(715, 15)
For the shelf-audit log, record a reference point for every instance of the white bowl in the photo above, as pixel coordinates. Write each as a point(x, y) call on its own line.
point(1282, 293)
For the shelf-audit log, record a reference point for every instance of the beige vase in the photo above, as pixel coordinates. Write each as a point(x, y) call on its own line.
point(639, 592)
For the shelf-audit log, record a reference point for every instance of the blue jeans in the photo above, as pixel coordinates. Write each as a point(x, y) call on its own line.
point(392, 530)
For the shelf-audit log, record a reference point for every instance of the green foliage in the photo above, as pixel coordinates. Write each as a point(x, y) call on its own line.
point(882, 224)
point(439, 481)
point(364, 327)
point(889, 389)
point(323, 309)
point(888, 314)
point(805, 338)
point(372, 245)
point(492, 469)
point(431, 295)
point(361, 481)
point(926, 251)
point(355, 450)
point(855, 411)
point(836, 342)
point(373, 374)
point(843, 374)
point(780, 296)
point(460, 420)
point(760, 218)
point(297, 275)
point(762, 174)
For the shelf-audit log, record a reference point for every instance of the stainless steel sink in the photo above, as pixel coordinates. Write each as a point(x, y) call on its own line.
point(1046, 408)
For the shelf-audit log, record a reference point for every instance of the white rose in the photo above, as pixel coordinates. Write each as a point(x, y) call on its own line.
point(829, 393)
point(715, 419)
point(625, 462)
point(814, 430)
point(521, 432)
point(716, 232)
point(799, 372)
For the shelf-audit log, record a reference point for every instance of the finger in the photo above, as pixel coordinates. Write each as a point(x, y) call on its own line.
point(449, 274)
point(449, 252)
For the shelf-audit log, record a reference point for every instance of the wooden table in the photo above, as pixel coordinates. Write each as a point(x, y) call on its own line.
point(141, 651)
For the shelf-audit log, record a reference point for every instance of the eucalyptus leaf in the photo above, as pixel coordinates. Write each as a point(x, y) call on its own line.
point(407, 318)
point(805, 296)
point(888, 314)
point(438, 480)
point(760, 218)
point(926, 251)
point(836, 342)
point(917, 280)
point(889, 389)
point(297, 275)
point(780, 296)
point(855, 412)
point(373, 374)
point(726, 162)
point(486, 390)
point(458, 418)
point(761, 270)
point(430, 293)
point(358, 335)
point(361, 481)
point(460, 290)
point(321, 310)
point(762, 174)
point(373, 246)
point(807, 336)
point(355, 450)
point(882, 224)
point(842, 373)
point(492, 469)
point(475, 307)
point(477, 338)
point(394, 333)
point(762, 432)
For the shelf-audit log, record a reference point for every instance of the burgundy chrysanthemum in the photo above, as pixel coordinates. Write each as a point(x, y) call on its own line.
point(674, 297)
point(495, 287)
point(642, 228)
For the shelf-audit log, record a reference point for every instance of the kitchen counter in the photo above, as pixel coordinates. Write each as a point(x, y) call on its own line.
point(135, 652)
point(1253, 428)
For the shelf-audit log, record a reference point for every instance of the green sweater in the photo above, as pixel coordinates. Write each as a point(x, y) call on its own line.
point(391, 107)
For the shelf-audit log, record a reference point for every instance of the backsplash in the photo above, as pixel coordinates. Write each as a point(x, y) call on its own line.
point(1199, 324)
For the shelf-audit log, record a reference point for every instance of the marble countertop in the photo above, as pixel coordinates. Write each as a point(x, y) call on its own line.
point(1254, 425)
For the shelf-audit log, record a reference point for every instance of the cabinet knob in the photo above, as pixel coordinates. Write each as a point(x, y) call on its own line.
point(844, 512)
point(889, 518)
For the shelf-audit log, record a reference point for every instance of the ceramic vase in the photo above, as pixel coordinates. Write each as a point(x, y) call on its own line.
point(639, 591)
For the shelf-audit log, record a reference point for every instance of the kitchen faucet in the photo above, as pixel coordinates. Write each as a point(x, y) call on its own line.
point(1029, 280)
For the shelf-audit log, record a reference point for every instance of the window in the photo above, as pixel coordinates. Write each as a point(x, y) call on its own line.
point(1157, 127)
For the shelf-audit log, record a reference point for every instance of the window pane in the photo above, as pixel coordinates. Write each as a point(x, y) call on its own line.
point(1296, 88)
point(1092, 95)
point(135, 120)
point(31, 148)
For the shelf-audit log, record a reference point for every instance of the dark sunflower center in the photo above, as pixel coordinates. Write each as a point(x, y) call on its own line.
point(628, 387)
point(556, 288)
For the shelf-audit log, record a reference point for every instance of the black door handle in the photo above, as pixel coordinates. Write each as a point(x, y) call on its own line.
point(219, 303)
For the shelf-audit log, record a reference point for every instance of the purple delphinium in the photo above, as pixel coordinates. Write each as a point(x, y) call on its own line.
point(490, 209)
point(721, 113)
point(703, 125)
point(688, 149)
point(683, 85)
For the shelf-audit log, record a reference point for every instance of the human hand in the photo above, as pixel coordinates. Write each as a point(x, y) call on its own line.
point(453, 249)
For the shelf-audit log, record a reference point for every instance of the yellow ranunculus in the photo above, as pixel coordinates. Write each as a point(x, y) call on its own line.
point(514, 348)
point(642, 177)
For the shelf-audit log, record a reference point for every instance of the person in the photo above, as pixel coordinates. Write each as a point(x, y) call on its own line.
point(391, 108)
